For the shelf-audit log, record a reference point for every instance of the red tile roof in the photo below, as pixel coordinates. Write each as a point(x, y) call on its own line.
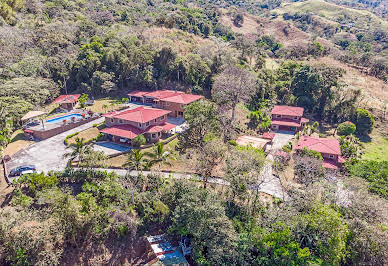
point(168, 96)
point(70, 98)
point(287, 110)
point(137, 93)
point(322, 145)
point(285, 122)
point(268, 135)
point(124, 131)
point(330, 164)
point(304, 120)
point(159, 128)
point(341, 159)
point(160, 94)
point(281, 154)
point(140, 115)
point(183, 98)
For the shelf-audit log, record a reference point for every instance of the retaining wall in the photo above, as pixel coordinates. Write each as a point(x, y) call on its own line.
point(55, 131)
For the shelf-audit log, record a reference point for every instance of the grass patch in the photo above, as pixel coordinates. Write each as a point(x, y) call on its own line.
point(87, 134)
point(18, 142)
point(377, 148)
point(361, 18)
point(98, 106)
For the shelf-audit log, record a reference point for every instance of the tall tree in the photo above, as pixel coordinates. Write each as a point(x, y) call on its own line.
point(202, 119)
point(232, 86)
point(208, 157)
point(314, 86)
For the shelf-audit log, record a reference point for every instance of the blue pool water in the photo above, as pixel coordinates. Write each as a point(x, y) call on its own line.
point(60, 119)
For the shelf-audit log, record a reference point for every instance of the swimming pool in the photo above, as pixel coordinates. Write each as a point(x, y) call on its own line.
point(60, 119)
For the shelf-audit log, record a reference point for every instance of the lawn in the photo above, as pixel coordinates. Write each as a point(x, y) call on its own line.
point(178, 163)
point(87, 134)
point(18, 142)
point(377, 148)
point(110, 103)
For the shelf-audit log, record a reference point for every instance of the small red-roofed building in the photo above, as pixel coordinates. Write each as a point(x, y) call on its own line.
point(67, 101)
point(288, 118)
point(268, 135)
point(125, 125)
point(174, 101)
point(328, 148)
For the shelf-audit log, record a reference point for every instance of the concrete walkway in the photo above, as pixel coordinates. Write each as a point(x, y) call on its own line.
point(47, 154)
point(267, 182)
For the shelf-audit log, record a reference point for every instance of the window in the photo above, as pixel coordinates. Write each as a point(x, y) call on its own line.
point(155, 120)
point(295, 118)
point(278, 116)
point(121, 121)
point(140, 125)
point(180, 113)
point(147, 124)
point(331, 156)
point(112, 120)
point(167, 104)
point(153, 136)
point(182, 106)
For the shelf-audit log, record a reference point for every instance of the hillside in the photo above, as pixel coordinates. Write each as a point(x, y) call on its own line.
point(254, 131)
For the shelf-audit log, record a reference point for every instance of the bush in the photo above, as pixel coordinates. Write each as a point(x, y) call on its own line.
point(69, 137)
point(139, 140)
point(346, 128)
point(232, 142)
point(311, 153)
point(364, 122)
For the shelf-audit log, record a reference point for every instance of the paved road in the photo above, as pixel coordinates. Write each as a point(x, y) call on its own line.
point(270, 185)
point(48, 154)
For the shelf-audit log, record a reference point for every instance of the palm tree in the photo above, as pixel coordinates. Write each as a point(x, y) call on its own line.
point(158, 155)
point(79, 151)
point(136, 161)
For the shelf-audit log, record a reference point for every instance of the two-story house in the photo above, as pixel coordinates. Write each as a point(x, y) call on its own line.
point(125, 125)
point(288, 118)
point(174, 101)
point(328, 148)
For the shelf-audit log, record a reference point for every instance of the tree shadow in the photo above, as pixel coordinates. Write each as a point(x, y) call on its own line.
point(19, 136)
point(364, 138)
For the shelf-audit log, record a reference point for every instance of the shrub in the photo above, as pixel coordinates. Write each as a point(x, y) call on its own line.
point(364, 122)
point(346, 128)
point(232, 142)
point(139, 140)
point(100, 137)
point(311, 153)
point(69, 137)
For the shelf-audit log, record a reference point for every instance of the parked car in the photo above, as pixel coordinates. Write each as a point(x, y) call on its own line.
point(24, 169)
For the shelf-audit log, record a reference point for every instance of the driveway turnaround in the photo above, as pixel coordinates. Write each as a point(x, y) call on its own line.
point(47, 154)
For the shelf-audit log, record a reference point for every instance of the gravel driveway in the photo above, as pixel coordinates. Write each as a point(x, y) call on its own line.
point(47, 154)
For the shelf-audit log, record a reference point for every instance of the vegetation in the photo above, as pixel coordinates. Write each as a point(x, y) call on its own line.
point(346, 128)
point(376, 173)
point(364, 122)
